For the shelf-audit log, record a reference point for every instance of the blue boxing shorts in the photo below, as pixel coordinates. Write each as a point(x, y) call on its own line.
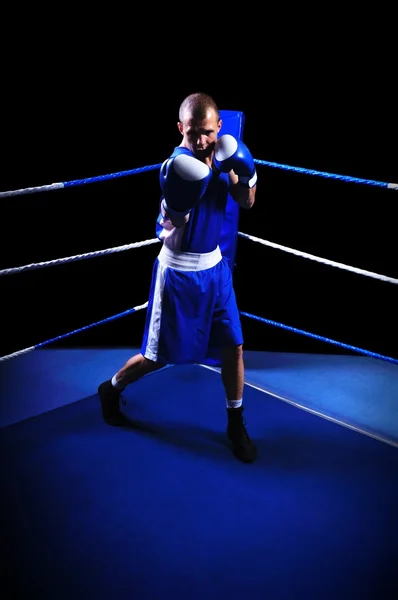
point(191, 307)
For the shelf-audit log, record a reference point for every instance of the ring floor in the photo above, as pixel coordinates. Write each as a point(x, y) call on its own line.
point(161, 508)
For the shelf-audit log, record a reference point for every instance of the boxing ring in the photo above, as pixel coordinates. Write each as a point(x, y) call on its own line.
point(161, 508)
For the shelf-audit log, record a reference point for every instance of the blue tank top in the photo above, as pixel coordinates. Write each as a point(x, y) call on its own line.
point(202, 232)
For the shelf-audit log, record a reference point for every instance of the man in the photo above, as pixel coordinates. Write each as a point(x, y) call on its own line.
point(192, 306)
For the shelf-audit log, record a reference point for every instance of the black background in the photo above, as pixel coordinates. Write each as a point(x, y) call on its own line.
point(99, 112)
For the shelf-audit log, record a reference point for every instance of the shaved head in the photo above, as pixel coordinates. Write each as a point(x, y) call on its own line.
point(196, 107)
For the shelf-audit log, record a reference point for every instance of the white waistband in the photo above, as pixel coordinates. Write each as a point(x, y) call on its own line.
point(189, 261)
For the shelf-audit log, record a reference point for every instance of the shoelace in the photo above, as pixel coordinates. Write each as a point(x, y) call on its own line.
point(245, 435)
point(241, 428)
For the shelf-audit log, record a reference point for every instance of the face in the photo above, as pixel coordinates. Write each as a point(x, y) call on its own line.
point(200, 136)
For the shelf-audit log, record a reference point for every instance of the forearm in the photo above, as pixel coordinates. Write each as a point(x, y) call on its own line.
point(171, 221)
point(242, 195)
point(232, 156)
point(183, 181)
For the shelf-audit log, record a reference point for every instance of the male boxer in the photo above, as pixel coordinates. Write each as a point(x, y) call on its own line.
point(192, 305)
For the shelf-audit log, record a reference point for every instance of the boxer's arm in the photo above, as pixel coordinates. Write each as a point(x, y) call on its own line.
point(164, 219)
point(243, 196)
point(170, 221)
point(232, 156)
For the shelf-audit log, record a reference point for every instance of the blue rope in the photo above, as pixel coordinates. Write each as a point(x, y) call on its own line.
point(322, 339)
point(111, 176)
point(345, 178)
point(322, 174)
point(107, 320)
point(245, 314)
point(76, 182)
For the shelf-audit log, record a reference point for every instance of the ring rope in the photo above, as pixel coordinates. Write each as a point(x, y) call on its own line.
point(346, 178)
point(323, 339)
point(65, 335)
point(245, 314)
point(125, 247)
point(324, 261)
point(68, 259)
point(87, 180)
point(76, 182)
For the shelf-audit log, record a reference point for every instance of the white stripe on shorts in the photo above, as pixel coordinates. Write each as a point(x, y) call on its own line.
point(152, 344)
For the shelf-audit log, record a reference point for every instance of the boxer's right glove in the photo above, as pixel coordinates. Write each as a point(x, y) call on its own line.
point(230, 153)
point(183, 181)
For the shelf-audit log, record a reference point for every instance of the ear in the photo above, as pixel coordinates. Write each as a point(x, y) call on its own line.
point(219, 125)
point(180, 127)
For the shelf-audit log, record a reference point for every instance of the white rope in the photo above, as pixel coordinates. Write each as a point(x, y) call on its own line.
point(18, 353)
point(68, 259)
point(321, 260)
point(32, 190)
point(156, 240)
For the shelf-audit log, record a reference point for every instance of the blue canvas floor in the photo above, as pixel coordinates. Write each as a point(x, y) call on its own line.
point(162, 508)
point(356, 391)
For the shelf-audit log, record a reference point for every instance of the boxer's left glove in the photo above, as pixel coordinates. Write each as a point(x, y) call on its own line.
point(230, 153)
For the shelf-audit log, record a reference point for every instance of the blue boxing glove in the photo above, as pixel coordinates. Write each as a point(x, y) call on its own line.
point(230, 153)
point(183, 181)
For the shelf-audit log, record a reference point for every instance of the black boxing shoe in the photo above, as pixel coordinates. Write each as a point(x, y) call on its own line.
point(110, 404)
point(242, 446)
